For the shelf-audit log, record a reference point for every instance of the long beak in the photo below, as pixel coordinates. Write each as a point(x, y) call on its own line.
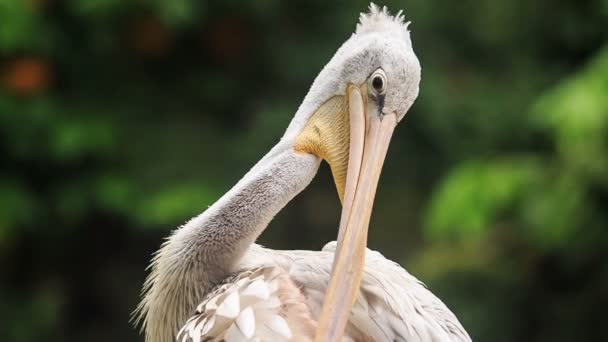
point(370, 135)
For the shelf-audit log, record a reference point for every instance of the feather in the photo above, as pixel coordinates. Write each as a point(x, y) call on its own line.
point(246, 322)
point(233, 334)
point(230, 307)
point(379, 20)
point(258, 289)
point(207, 327)
point(277, 324)
point(272, 302)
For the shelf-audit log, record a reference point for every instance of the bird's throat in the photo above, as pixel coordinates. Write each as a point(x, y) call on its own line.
point(327, 136)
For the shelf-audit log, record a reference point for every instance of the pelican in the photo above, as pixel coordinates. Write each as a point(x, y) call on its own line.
point(210, 281)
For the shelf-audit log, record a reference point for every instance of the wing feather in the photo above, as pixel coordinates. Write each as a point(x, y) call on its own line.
point(279, 294)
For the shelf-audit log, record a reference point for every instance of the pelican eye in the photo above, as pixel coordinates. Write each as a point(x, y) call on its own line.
point(377, 82)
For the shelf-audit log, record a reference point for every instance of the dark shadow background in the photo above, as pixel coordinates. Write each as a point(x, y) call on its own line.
point(119, 120)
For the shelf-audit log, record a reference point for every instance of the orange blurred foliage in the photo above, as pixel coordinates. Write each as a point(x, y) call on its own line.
point(27, 75)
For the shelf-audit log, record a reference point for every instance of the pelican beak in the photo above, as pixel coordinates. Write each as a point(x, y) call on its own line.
point(352, 136)
point(370, 135)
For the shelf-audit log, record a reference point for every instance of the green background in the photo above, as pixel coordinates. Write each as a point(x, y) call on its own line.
point(120, 120)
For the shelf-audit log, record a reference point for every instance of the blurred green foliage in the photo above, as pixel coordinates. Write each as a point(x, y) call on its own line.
point(120, 120)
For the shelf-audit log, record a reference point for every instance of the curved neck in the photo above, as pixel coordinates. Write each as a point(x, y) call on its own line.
point(205, 250)
point(222, 234)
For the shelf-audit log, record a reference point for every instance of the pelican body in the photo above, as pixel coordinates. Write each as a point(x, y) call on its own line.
point(210, 281)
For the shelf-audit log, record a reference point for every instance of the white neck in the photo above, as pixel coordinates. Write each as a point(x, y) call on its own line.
point(205, 250)
point(221, 234)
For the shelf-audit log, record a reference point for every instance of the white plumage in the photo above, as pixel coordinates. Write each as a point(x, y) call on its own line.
point(266, 298)
point(211, 282)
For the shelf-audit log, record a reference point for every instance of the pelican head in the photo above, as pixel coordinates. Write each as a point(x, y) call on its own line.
point(347, 119)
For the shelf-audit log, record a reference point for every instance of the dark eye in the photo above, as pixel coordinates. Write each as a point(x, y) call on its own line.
point(377, 82)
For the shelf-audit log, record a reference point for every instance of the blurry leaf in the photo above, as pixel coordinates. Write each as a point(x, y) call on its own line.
point(474, 194)
point(179, 12)
point(466, 254)
point(554, 211)
point(116, 193)
point(576, 112)
point(25, 133)
point(98, 8)
point(77, 136)
point(57, 131)
point(176, 13)
point(174, 205)
point(17, 206)
point(19, 25)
